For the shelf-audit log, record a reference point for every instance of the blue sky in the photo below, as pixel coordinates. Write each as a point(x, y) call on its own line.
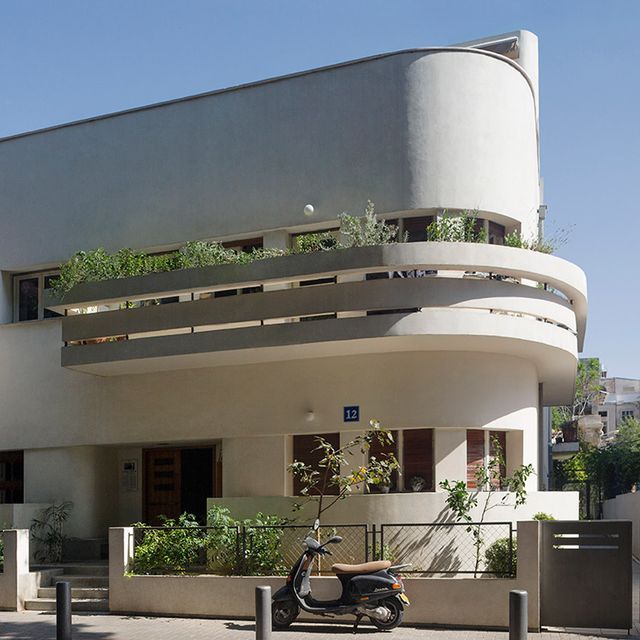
point(65, 60)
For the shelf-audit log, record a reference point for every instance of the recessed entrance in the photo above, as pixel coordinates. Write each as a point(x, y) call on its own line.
point(179, 479)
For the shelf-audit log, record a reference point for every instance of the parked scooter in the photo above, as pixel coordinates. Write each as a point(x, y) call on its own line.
point(372, 589)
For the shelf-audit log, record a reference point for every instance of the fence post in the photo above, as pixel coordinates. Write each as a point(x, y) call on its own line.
point(518, 615)
point(63, 611)
point(263, 613)
point(374, 554)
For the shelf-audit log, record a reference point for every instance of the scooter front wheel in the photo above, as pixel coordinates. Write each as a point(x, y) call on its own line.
point(283, 613)
point(396, 614)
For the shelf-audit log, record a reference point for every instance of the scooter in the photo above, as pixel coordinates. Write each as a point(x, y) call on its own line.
point(372, 589)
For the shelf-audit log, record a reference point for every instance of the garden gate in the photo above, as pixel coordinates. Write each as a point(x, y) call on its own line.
point(586, 574)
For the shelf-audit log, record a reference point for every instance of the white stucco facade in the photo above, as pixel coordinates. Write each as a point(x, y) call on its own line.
point(417, 132)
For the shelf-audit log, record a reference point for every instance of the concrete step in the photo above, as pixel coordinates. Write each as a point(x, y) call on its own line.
point(79, 592)
point(78, 581)
point(49, 604)
point(85, 569)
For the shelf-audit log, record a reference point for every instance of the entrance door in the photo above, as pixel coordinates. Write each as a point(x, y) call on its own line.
point(179, 480)
point(162, 484)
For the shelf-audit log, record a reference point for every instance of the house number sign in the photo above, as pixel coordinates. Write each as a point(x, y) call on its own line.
point(351, 414)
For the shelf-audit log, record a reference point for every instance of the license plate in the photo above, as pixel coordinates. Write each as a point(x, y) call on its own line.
point(403, 597)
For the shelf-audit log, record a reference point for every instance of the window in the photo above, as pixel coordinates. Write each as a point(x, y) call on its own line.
point(415, 228)
point(11, 477)
point(496, 233)
point(417, 457)
point(29, 296)
point(627, 414)
point(480, 446)
point(413, 448)
point(305, 449)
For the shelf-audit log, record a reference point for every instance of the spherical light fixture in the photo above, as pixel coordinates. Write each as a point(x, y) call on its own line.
point(308, 210)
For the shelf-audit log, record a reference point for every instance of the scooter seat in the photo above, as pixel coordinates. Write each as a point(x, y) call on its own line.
point(365, 567)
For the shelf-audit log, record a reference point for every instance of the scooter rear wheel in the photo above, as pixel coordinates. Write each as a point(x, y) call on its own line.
point(283, 613)
point(396, 615)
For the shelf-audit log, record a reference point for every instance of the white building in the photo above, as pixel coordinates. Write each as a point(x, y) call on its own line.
point(157, 409)
point(621, 402)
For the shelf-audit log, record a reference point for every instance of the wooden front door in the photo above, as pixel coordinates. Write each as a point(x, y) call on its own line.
point(162, 484)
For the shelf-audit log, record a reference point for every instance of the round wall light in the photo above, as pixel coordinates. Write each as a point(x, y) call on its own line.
point(308, 210)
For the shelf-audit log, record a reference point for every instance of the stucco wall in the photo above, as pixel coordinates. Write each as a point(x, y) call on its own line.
point(406, 508)
point(626, 507)
point(16, 583)
point(434, 601)
point(86, 476)
point(411, 130)
point(420, 389)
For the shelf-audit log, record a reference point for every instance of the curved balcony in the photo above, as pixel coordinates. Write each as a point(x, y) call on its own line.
point(468, 297)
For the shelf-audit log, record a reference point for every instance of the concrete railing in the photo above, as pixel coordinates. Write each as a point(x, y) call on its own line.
point(434, 600)
point(16, 583)
point(478, 291)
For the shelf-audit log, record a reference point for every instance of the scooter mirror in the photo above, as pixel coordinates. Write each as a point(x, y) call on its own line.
point(316, 524)
point(334, 540)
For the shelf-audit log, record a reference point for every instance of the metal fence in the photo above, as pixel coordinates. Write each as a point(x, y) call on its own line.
point(433, 548)
point(449, 548)
point(239, 550)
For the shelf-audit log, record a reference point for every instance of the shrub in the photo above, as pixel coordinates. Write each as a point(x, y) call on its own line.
point(367, 230)
point(310, 242)
point(541, 516)
point(169, 549)
point(497, 558)
point(181, 546)
point(516, 240)
point(462, 227)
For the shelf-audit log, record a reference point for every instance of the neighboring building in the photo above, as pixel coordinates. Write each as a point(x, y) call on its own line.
point(622, 401)
point(156, 409)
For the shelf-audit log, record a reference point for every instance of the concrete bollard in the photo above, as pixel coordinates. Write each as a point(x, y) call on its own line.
point(518, 614)
point(63, 611)
point(263, 613)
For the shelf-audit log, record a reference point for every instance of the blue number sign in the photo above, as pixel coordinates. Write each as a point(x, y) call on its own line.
point(351, 414)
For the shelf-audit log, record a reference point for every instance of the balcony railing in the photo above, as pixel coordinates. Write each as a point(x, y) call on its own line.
point(353, 294)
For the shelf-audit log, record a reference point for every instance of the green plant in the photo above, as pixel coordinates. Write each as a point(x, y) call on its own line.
point(459, 227)
point(310, 242)
point(499, 560)
point(174, 547)
point(1, 551)
point(382, 553)
point(47, 532)
point(462, 502)
point(181, 545)
point(366, 230)
point(330, 472)
point(542, 516)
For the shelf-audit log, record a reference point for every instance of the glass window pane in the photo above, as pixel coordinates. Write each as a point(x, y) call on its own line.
point(28, 299)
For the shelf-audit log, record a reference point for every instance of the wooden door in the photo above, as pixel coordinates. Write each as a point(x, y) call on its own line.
point(162, 486)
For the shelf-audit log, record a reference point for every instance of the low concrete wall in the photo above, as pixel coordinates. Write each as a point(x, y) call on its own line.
point(16, 583)
point(626, 507)
point(444, 601)
point(20, 516)
point(406, 508)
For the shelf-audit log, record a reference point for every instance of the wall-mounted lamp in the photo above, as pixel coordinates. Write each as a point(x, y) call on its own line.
point(308, 210)
point(309, 416)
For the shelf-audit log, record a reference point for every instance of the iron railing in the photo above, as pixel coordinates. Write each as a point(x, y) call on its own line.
point(431, 548)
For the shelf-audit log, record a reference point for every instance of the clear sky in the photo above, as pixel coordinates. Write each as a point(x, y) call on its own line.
point(63, 60)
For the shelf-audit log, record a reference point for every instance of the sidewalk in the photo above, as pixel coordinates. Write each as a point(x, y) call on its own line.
point(41, 626)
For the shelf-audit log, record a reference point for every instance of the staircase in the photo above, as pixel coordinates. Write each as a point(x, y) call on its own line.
point(89, 587)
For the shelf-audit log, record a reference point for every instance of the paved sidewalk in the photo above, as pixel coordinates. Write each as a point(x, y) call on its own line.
point(41, 626)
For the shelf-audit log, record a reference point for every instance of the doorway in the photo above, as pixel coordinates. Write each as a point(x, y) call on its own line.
point(179, 479)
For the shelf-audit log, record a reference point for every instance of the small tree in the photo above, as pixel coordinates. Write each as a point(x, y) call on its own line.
point(331, 472)
point(489, 480)
point(589, 390)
